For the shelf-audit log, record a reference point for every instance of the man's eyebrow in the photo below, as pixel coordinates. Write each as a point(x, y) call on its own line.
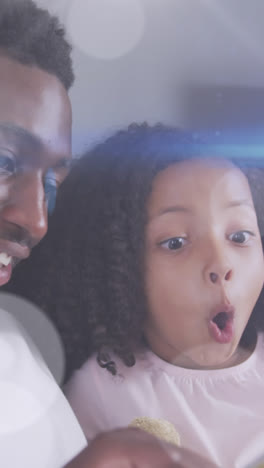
point(20, 133)
point(64, 163)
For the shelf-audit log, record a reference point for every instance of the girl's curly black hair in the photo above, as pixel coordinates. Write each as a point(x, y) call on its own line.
point(88, 274)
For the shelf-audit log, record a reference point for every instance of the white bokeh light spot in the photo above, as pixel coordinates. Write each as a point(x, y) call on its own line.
point(38, 327)
point(18, 407)
point(23, 419)
point(8, 354)
point(106, 29)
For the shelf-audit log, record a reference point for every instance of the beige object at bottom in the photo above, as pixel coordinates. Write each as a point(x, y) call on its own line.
point(158, 427)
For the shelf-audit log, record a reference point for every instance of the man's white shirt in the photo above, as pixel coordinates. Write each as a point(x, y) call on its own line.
point(37, 426)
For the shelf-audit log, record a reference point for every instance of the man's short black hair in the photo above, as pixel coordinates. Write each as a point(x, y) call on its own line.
point(32, 36)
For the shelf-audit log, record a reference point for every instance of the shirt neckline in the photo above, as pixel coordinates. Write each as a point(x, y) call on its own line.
point(233, 371)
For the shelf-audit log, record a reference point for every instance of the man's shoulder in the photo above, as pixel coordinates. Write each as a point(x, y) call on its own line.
point(33, 409)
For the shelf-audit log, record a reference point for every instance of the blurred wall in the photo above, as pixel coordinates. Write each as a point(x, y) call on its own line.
point(194, 63)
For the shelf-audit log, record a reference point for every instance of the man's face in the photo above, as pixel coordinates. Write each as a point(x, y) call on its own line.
point(204, 263)
point(35, 151)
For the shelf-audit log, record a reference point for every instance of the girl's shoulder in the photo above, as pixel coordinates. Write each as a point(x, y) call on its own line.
point(89, 376)
point(96, 396)
point(92, 380)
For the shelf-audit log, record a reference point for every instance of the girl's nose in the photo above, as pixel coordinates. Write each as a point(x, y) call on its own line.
point(218, 267)
point(216, 277)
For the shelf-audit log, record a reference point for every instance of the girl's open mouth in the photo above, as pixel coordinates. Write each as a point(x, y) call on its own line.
point(221, 324)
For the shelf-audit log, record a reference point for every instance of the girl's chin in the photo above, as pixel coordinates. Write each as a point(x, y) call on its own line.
point(209, 357)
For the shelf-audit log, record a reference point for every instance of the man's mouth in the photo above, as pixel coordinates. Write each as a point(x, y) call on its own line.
point(5, 259)
point(6, 267)
point(10, 254)
point(221, 323)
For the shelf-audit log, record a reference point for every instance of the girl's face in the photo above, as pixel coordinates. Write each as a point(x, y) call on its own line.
point(204, 263)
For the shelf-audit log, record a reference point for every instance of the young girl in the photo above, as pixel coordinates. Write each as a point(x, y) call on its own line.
point(166, 266)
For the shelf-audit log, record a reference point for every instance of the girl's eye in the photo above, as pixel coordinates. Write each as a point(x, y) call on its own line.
point(175, 243)
point(241, 237)
point(7, 165)
point(50, 188)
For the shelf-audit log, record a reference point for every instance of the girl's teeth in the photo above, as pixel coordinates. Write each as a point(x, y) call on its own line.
point(5, 259)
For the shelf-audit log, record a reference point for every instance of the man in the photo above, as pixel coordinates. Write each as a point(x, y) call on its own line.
point(39, 428)
point(35, 154)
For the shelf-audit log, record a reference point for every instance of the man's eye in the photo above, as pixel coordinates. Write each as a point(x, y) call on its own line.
point(175, 243)
point(50, 188)
point(241, 237)
point(7, 165)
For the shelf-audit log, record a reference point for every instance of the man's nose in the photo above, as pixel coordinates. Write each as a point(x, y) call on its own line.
point(218, 268)
point(26, 207)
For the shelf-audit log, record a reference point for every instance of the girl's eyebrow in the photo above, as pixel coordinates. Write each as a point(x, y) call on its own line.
point(172, 209)
point(189, 210)
point(240, 202)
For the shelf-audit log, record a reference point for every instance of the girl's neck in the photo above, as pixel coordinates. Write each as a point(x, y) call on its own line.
point(240, 355)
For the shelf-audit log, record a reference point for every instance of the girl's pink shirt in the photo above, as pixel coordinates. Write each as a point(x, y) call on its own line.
point(217, 413)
